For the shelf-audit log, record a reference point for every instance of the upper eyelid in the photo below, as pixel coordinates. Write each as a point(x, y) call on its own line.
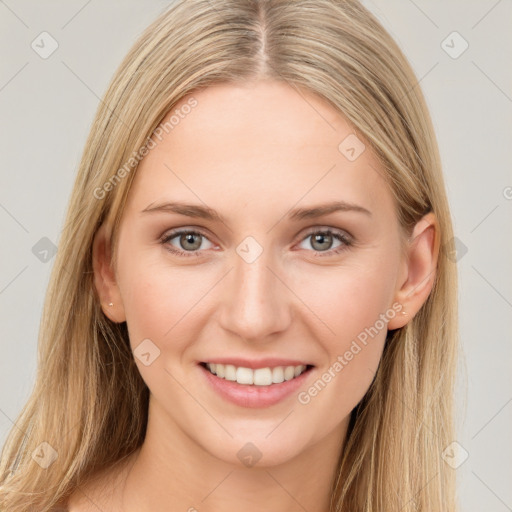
point(178, 231)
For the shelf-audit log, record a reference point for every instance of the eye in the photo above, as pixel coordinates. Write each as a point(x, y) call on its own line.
point(321, 241)
point(190, 240)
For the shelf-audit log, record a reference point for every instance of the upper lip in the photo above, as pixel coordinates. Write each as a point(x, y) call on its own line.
point(256, 363)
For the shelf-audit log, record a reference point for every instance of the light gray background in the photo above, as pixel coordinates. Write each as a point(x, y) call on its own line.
point(47, 106)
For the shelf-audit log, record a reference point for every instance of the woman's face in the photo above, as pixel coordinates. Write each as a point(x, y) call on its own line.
point(275, 283)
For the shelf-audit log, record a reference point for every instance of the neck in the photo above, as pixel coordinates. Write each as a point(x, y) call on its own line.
point(172, 468)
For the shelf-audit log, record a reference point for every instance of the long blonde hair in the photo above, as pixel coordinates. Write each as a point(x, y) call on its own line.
point(89, 402)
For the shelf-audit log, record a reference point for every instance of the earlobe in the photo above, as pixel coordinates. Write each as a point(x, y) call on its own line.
point(421, 266)
point(104, 277)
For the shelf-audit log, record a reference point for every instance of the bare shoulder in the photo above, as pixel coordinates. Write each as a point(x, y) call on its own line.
point(101, 491)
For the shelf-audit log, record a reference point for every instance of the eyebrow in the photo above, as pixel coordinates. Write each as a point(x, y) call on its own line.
point(204, 212)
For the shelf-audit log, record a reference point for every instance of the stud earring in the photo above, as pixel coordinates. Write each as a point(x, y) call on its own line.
point(404, 313)
point(110, 304)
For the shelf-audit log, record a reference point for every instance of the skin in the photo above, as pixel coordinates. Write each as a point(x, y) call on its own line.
point(252, 152)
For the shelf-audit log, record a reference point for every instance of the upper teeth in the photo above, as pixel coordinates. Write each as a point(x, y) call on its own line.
point(259, 377)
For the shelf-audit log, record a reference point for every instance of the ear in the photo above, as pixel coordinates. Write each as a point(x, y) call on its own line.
point(419, 270)
point(104, 277)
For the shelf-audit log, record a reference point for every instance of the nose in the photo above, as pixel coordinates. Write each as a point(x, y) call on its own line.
point(255, 301)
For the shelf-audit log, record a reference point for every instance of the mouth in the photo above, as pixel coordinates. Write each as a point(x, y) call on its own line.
point(261, 377)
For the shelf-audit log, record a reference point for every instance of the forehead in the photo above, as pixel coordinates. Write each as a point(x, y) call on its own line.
point(261, 144)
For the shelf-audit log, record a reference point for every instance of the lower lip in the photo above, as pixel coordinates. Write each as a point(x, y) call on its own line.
point(251, 395)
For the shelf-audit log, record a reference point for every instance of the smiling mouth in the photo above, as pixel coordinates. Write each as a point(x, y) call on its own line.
point(257, 377)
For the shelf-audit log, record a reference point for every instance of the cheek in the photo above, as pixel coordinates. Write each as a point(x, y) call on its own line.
point(162, 305)
point(158, 300)
point(350, 311)
point(346, 299)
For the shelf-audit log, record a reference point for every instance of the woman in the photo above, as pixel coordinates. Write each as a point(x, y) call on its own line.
point(300, 355)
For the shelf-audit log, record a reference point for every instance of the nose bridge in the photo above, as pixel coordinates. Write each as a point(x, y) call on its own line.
point(255, 304)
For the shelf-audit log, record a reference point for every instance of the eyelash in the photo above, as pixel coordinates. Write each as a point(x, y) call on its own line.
point(346, 241)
